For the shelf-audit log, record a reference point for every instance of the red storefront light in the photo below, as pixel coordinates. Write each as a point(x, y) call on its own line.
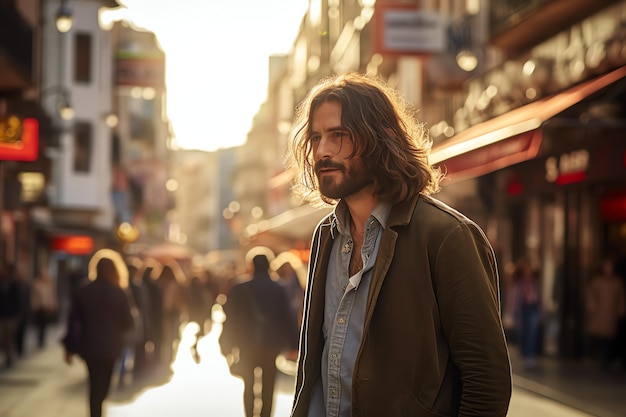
point(72, 244)
point(26, 148)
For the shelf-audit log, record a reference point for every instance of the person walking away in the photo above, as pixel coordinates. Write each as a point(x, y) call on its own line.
point(154, 315)
point(99, 318)
point(23, 317)
point(605, 307)
point(259, 325)
point(402, 308)
point(287, 266)
point(174, 306)
point(9, 312)
point(132, 353)
point(44, 304)
point(527, 290)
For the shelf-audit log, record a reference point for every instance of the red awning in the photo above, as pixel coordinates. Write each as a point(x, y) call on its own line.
point(512, 137)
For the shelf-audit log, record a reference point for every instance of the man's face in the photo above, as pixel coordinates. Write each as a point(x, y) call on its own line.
point(339, 176)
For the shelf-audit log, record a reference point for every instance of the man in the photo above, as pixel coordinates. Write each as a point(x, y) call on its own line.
point(259, 325)
point(402, 314)
point(100, 317)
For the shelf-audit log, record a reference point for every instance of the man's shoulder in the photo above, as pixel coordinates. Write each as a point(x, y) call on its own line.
point(434, 208)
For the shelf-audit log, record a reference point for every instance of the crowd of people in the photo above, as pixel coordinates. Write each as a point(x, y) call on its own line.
point(127, 315)
point(24, 302)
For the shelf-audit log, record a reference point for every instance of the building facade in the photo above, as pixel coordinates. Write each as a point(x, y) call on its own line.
point(524, 102)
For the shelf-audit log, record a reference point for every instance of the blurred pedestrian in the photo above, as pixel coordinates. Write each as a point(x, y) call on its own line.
point(154, 313)
point(258, 327)
point(23, 317)
point(132, 355)
point(402, 313)
point(170, 281)
point(44, 304)
point(605, 308)
point(99, 318)
point(289, 269)
point(200, 301)
point(527, 310)
point(9, 313)
point(141, 300)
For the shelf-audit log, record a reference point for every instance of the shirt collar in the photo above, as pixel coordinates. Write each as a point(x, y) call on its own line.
point(342, 216)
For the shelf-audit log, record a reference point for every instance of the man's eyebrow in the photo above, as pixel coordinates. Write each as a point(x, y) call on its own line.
point(332, 129)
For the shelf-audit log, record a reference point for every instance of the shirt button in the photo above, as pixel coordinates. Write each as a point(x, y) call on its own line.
point(333, 356)
point(333, 392)
point(341, 320)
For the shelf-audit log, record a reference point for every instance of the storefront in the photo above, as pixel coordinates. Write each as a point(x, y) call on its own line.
point(548, 181)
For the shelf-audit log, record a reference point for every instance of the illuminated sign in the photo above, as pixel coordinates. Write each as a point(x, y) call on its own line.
point(568, 168)
point(19, 139)
point(72, 244)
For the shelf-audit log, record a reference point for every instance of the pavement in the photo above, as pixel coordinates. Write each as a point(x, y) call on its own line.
point(41, 384)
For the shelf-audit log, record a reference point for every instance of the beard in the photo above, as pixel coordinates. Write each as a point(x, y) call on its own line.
point(355, 177)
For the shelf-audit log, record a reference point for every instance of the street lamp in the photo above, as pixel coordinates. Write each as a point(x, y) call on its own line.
point(64, 109)
point(64, 18)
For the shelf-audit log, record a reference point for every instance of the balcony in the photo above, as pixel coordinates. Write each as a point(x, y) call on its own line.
point(16, 50)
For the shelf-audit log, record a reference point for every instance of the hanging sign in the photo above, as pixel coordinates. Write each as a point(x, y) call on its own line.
point(19, 139)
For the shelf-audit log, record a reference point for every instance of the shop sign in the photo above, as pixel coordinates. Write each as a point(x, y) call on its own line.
point(19, 139)
point(141, 70)
point(402, 29)
point(72, 244)
point(567, 168)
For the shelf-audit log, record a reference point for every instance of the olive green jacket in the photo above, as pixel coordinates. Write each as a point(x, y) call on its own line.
point(433, 343)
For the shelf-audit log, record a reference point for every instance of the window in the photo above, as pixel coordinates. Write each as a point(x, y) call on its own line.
point(82, 58)
point(82, 146)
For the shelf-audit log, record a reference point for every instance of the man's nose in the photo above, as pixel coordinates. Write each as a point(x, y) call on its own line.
point(325, 148)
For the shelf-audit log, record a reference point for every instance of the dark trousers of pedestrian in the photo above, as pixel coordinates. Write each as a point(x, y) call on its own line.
point(100, 373)
point(264, 361)
point(528, 333)
point(20, 336)
point(41, 320)
point(7, 339)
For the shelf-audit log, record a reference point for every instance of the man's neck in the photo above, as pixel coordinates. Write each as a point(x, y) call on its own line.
point(360, 207)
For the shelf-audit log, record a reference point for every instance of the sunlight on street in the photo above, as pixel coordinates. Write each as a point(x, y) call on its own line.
point(199, 389)
point(207, 388)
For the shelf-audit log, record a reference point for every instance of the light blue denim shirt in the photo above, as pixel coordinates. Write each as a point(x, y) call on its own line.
point(344, 313)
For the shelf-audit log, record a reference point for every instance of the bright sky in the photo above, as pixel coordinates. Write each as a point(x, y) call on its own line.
point(217, 54)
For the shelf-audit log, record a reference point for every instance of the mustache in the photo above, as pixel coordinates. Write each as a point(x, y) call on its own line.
point(327, 163)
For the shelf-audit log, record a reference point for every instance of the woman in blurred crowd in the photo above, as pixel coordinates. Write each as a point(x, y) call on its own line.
point(99, 318)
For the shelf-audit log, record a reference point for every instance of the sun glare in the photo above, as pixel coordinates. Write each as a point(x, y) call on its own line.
point(217, 56)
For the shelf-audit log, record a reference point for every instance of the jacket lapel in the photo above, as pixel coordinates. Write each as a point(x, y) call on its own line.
point(400, 215)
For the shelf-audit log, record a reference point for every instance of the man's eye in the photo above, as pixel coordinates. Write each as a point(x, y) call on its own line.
point(314, 138)
point(340, 135)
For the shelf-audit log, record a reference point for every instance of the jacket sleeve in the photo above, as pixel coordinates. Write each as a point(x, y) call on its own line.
point(466, 282)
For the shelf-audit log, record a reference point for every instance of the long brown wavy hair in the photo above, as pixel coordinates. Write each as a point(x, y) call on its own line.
point(383, 131)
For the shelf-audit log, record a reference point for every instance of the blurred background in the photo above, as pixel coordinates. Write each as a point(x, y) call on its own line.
point(144, 126)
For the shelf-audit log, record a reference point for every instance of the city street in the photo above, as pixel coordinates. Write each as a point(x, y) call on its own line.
point(44, 385)
point(207, 389)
